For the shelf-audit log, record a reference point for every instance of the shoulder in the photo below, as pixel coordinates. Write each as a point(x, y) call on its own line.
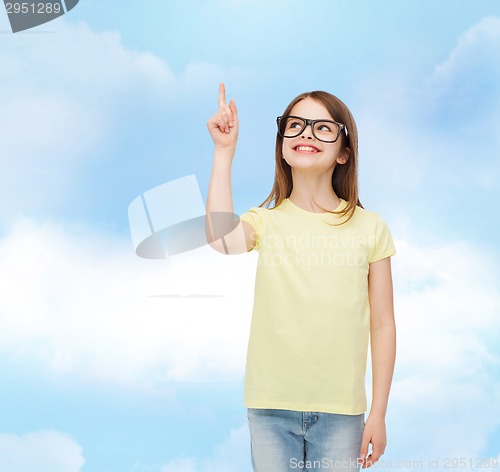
point(369, 222)
point(380, 241)
point(257, 212)
point(266, 212)
point(256, 216)
point(366, 217)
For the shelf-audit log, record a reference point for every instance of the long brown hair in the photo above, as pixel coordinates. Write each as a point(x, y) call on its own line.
point(344, 177)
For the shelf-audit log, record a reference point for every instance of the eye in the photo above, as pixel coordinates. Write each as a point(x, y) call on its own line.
point(323, 127)
point(294, 124)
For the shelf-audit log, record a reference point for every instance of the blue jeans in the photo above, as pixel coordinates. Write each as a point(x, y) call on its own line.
point(287, 440)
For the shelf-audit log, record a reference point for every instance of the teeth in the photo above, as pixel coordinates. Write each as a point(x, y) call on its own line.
point(306, 148)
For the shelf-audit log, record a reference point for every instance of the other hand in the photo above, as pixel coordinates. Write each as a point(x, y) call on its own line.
point(374, 433)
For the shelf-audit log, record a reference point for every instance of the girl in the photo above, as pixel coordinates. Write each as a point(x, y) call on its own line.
point(323, 286)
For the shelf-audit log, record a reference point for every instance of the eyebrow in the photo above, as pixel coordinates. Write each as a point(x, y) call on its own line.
point(313, 119)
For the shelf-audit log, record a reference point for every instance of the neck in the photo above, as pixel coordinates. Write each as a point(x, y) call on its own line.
point(308, 188)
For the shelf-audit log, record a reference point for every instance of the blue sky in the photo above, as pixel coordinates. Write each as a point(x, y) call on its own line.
point(100, 371)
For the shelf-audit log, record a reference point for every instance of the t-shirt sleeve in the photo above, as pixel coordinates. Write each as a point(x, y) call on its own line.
point(254, 217)
point(383, 242)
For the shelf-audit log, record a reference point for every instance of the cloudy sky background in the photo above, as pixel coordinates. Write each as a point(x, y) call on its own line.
point(100, 370)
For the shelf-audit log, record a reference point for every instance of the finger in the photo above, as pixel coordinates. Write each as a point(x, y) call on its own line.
point(221, 116)
point(363, 451)
point(229, 116)
point(370, 460)
point(222, 125)
point(224, 119)
point(374, 456)
point(222, 95)
point(234, 110)
point(217, 121)
point(376, 453)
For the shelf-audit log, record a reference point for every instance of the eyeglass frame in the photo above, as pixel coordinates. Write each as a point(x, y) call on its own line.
point(342, 127)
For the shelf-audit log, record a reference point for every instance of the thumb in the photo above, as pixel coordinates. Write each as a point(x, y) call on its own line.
point(232, 106)
point(363, 451)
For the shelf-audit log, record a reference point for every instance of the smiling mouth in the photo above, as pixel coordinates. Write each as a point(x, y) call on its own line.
point(307, 149)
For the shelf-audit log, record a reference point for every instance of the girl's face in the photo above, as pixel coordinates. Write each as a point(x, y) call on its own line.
point(305, 151)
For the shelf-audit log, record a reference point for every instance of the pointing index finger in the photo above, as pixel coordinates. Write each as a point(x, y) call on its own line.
point(222, 95)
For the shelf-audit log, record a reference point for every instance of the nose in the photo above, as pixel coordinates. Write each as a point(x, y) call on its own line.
point(304, 134)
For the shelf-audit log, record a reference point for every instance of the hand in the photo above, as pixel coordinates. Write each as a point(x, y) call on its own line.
point(223, 126)
point(374, 433)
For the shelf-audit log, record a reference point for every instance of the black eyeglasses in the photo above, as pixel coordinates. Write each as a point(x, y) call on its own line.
point(323, 130)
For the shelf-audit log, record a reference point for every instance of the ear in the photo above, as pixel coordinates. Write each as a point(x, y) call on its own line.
point(344, 156)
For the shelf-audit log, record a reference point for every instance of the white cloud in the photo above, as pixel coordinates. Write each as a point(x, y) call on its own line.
point(233, 455)
point(445, 398)
point(446, 392)
point(74, 302)
point(44, 451)
point(69, 96)
point(463, 92)
point(60, 94)
point(78, 302)
point(474, 52)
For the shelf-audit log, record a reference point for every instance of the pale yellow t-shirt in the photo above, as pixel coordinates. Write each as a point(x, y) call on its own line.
point(308, 343)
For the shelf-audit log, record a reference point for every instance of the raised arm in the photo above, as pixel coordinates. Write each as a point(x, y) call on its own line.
point(223, 127)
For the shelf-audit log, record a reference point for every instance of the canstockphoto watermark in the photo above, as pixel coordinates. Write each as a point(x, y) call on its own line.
point(325, 463)
point(452, 463)
point(27, 15)
point(427, 463)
